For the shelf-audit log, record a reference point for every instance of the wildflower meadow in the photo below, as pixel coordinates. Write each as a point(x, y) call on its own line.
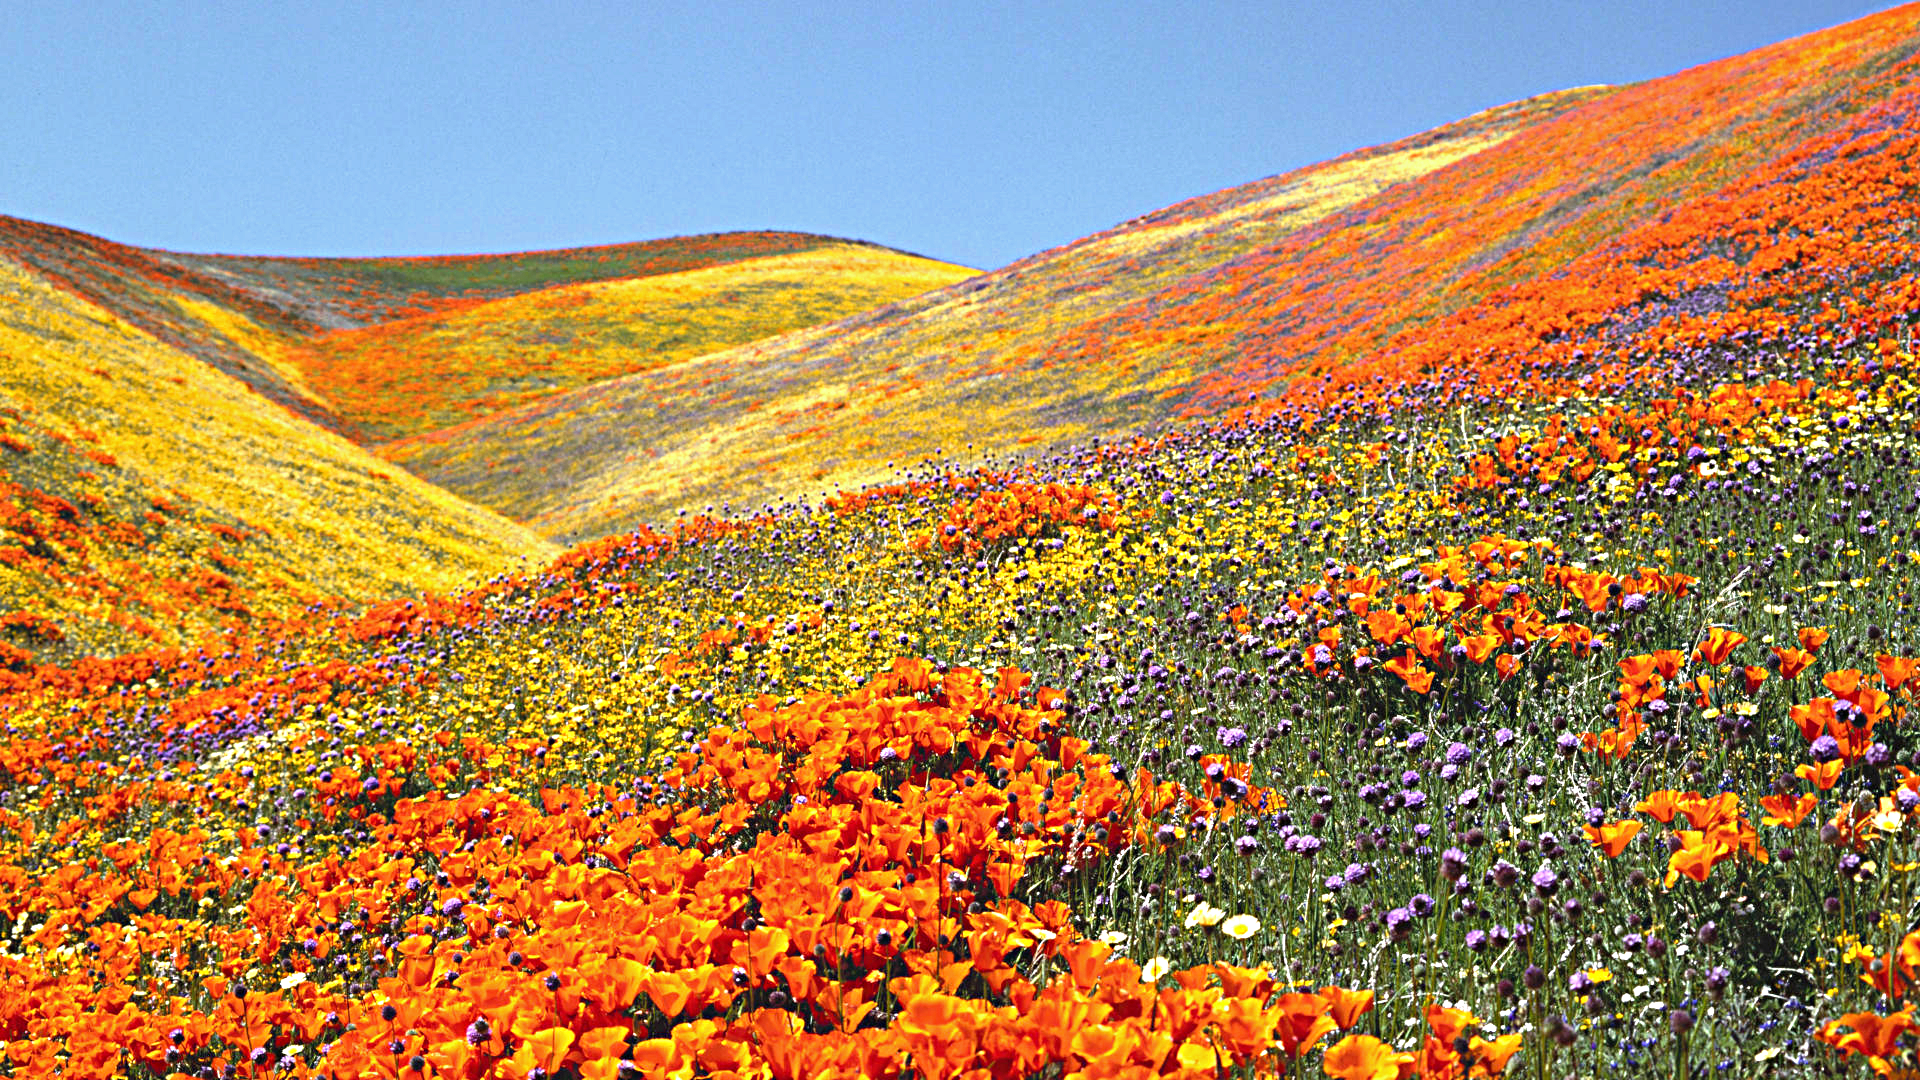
point(1504, 674)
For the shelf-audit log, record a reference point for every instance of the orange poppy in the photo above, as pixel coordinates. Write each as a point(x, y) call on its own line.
point(1895, 671)
point(1699, 853)
point(1660, 805)
point(1786, 811)
point(1822, 776)
point(1792, 661)
point(1719, 645)
point(1347, 1006)
point(1363, 1057)
point(1613, 837)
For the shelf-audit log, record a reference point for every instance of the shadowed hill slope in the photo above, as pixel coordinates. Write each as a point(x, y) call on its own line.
point(1399, 263)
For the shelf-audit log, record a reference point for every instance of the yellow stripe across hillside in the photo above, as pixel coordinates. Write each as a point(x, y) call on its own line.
point(403, 378)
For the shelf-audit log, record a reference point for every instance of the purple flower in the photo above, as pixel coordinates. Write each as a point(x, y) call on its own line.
point(1232, 737)
point(1409, 779)
point(1304, 845)
point(1476, 941)
point(1416, 742)
point(1414, 800)
point(1458, 753)
point(1399, 924)
point(1503, 736)
point(1453, 864)
point(1355, 873)
point(1422, 905)
point(1545, 881)
point(1824, 748)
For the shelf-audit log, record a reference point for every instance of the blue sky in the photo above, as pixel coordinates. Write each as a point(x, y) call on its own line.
point(975, 132)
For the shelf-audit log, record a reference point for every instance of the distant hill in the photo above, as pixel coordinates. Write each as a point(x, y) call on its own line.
point(146, 498)
point(179, 430)
point(1397, 263)
point(414, 375)
point(803, 412)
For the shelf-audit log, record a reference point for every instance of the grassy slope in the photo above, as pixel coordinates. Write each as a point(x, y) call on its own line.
point(152, 498)
point(411, 376)
point(800, 412)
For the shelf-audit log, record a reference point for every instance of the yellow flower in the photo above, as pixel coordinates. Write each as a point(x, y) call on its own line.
point(1240, 927)
point(1156, 968)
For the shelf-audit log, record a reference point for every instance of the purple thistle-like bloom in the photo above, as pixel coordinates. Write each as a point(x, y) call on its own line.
point(1232, 737)
point(1399, 924)
point(1476, 941)
point(1409, 779)
point(1824, 748)
point(1304, 845)
point(1459, 753)
point(1545, 881)
point(1421, 905)
point(1503, 736)
point(1414, 800)
point(1416, 742)
point(1453, 864)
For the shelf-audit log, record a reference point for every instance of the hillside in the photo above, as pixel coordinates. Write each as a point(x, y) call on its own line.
point(410, 376)
point(1511, 673)
point(151, 499)
point(802, 413)
point(285, 326)
point(126, 528)
point(1406, 263)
